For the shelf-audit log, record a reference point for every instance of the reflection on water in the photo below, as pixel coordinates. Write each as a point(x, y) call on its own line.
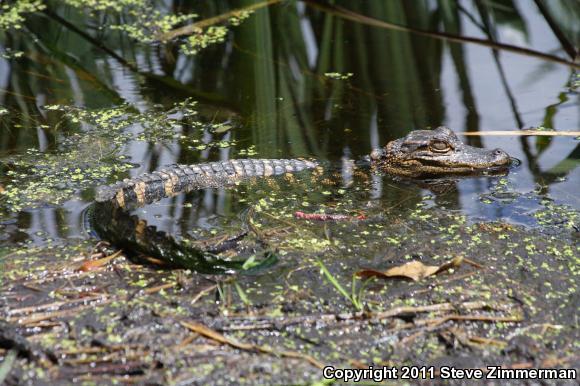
point(270, 80)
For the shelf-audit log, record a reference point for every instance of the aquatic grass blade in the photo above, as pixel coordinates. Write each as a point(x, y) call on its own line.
point(336, 284)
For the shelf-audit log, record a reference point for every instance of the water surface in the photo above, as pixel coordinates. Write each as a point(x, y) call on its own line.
point(269, 81)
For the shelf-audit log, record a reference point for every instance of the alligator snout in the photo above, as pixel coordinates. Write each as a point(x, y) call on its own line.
point(428, 153)
point(501, 157)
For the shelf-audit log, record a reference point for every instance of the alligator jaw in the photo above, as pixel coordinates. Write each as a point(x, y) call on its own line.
point(439, 152)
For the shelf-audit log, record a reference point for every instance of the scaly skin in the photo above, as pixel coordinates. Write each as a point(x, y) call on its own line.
point(111, 219)
point(428, 153)
point(175, 179)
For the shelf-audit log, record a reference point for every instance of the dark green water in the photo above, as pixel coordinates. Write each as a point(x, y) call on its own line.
point(268, 81)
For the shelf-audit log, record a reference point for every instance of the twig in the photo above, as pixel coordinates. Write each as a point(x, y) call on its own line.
point(158, 288)
point(277, 322)
point(406, 341)
point(430, 308)
point(126, 379)
point(476, 318)
point(473, 263)
point(487, 341)
point(100, 299)
point(428, 325)
point(476, 341)
point(516, 133)
point(203, 292)
point(128, 368)
point(35, 318)
point(216, 336)
point(53, 305)
point(100, 349)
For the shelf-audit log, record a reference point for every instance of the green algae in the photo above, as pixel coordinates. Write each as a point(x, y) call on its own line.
point(12, 13)
point(150, 23)
point(10, 54)
point(94, 151)
point(82, 159)
point(145, 24)
point(141, 21)
point(201, 39)
point(105, 5)
point(338, 75)
point(559, 215)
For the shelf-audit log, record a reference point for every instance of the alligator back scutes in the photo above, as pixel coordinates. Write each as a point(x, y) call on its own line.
point(150, 187)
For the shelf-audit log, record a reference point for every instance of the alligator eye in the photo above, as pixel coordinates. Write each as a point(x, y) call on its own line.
point(439, 146)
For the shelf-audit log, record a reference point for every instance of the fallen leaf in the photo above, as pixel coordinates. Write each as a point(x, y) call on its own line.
point(414, 270)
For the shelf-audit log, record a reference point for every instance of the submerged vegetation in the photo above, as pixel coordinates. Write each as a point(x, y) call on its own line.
point(360, 268)
point(13, 13)
point(91, 151)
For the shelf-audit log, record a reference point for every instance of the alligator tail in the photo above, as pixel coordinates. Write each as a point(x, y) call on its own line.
point(169, 181)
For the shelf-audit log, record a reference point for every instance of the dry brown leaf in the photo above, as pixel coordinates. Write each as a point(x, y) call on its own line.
point(414, 270)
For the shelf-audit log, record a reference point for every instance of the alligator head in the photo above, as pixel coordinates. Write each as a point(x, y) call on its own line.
point(428, 153)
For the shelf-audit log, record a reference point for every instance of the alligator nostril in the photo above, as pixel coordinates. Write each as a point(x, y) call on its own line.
point(515, 162)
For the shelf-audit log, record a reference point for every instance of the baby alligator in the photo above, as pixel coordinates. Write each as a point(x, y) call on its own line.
point(110, 219)
point(428, 153)
point(422, 153)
